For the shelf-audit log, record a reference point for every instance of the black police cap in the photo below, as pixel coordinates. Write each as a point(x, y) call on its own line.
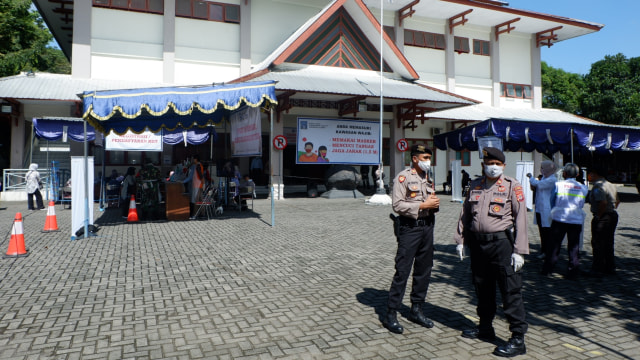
point(491, 153)
point(420, 149)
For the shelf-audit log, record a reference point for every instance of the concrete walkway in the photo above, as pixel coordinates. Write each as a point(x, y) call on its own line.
point(314, 286)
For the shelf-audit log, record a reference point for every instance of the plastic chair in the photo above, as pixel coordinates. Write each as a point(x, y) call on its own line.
point(246, 194)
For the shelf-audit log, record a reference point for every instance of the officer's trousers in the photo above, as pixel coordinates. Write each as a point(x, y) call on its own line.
point(491, 264)
point(415, 248)
point(602, 242)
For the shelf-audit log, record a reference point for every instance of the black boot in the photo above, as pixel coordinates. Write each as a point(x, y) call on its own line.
point(514, 347)
point(391, 322)
point(484, 333)
point(418, 317)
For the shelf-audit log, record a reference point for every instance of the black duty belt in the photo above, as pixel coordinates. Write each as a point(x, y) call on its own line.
point(423, 221)
point(486, 237)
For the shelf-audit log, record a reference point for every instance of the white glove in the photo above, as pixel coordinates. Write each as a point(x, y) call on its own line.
point(460, 250)
point(517, 261)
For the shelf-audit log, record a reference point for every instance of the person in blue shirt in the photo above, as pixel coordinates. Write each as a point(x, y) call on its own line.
point(567, 217)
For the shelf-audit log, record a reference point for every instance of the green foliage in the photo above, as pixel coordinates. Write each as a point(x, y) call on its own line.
point(561, 90)
point(609, 93)
point(24, 41)
point(612, 91)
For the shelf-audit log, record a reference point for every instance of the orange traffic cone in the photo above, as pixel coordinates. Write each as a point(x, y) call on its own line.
point(133, 213)
point(51, 223)
point(16, 243)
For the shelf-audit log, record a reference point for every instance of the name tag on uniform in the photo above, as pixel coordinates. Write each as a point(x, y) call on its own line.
point(475, 195)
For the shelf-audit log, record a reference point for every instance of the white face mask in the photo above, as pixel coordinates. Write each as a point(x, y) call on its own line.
point(493, 171)
point(425, 165)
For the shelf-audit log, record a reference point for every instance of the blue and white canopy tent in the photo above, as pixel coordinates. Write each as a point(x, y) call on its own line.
point(54, 129)
point(63, 128)
point(169, 108)
point(544, 136)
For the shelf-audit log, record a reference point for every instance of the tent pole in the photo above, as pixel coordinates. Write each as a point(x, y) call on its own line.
point(273, 216)
point(86, 185)
point(47, 163)
point(31, 153)
point(572, 145)
point(102, 184)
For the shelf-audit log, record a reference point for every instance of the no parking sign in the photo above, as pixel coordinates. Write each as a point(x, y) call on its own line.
point(402, 145)
point(280, 142)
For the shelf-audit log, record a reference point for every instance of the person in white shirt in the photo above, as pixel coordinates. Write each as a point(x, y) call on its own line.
point(544, 188)
point(567, 219)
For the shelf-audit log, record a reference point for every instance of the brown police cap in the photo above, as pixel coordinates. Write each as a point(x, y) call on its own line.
point(491, 153)
point(420, 149)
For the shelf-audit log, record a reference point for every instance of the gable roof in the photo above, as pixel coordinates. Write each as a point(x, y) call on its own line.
point(340, 24)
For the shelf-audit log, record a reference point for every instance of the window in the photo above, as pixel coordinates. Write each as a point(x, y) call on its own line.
point(460, 44)
point(481, 47)
point(429, 143)
point(424, 39)
point(150, 6)
point(206, 10)
point(464, 156)
point(517, 91)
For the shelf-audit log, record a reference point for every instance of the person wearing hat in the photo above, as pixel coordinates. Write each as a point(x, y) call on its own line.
point(493, 226)
point(604, 201)
point(414, 199)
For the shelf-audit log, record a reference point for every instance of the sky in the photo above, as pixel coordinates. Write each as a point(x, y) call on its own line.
point(619, 35)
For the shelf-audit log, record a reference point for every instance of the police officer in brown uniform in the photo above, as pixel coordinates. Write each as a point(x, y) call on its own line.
point(493, 225)
point(415, 201)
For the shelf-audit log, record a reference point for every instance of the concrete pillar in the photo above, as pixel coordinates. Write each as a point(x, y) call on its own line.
point(396, 157)
point(536, 73)
point(449, 59)
point(18, 125)
point(245, 37)
point(169, 42)
point(81, 47)
point(494, 46)
point(276, 159)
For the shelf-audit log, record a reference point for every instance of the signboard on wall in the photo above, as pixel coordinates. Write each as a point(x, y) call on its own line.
point(335, 141)
point(130, 141)
point(246, 132)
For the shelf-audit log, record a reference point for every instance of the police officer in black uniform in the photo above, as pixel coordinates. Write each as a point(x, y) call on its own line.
point(493, 225)
point(415, 201)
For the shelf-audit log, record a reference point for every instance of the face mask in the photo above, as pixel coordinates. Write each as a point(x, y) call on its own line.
point(425, 165)
point(493, 171)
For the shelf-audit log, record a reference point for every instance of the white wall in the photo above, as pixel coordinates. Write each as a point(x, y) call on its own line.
point(515, 59)
point(272, 22)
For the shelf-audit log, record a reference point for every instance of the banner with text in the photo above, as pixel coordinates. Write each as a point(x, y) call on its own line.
point(333, 141)
point(246, 132)
point(147, 141)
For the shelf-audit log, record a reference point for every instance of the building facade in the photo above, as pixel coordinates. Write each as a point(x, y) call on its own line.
point(483, 54)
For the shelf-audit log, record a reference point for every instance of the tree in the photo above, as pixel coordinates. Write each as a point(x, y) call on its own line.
point(612, 91)
point(24, 41)
point(561, 90)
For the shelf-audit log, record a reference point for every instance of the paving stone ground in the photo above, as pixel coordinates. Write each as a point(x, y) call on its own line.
point(312, 286)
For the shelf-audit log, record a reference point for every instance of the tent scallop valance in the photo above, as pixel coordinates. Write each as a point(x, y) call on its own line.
point(170, 108)
point(543, 136)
